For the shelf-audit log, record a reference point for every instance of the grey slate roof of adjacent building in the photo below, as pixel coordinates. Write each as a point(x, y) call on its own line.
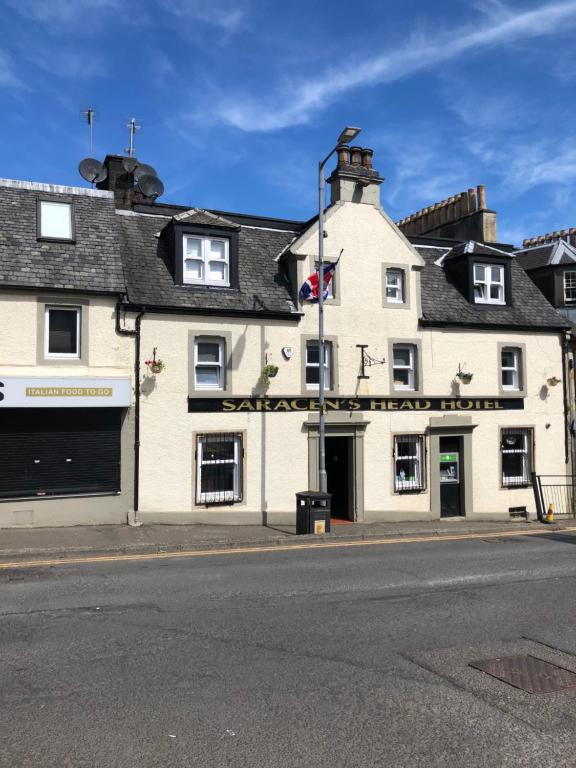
point(444, 304)
point(91, 264)
point(550, 254)
point(149, 270)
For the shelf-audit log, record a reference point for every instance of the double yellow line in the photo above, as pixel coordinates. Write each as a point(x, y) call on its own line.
point(275, 548)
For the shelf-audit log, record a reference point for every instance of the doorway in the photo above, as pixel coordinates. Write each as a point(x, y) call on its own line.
point(339, 463)
point(451, 472)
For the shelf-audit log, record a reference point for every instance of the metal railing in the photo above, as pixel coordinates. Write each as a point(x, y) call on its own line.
point(558, 490)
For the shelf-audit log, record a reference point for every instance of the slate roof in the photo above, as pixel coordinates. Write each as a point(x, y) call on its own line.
point(90, 264)
point(444, 304)
point(148, 266)
point(550, 254)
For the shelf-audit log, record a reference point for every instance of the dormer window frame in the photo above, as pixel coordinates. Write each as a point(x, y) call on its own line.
point(569, 302)
point(205, 233)
point(487, 261)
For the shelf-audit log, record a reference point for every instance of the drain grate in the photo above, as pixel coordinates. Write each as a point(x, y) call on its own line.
point(528, 673)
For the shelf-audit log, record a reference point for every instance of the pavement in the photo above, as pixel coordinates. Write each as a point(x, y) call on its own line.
point(351, 657)
point(117, 539)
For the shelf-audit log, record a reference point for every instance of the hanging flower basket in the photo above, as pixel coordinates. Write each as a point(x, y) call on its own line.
point(553, 381)
point(268, 372)
point(155, 366)
point(465, 377)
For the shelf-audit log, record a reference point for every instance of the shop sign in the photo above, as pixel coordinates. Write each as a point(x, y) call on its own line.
point(406, 404)
point(30, 392)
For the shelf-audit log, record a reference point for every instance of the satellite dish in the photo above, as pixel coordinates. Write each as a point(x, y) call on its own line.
point(92, 170)
point(129, 164)
point(150, 185)
point(144, 170)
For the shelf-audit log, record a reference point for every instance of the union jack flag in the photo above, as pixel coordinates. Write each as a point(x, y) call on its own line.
point(309, 289)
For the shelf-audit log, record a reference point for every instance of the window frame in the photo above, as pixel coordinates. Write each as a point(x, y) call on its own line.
point(62, 355)
point(328, 356)
point(571, 272)
point(213, 498)
point(520, 350)
point(528, 450)
point(411, 368)
point(221, 343)
point(204, 240)
point(516, 369)
point(488, 283)
point(419, 456)
point(49, 238)
point(402, 278)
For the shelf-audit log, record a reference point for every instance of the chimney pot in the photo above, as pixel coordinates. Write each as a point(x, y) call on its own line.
point(355, 155)
point(367, 155)
point(343, 155)
point(481, 197)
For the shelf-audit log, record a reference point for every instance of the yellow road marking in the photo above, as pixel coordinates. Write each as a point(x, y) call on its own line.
point(274, 548)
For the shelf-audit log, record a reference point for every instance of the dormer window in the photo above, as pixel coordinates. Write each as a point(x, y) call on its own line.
point(489, 284)
point(569, 287)
point(206, 261)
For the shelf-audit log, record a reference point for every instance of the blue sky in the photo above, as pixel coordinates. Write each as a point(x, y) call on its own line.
point(239, 99)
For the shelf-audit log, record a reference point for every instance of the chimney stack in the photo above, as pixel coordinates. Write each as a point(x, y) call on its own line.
point(465, 216)
point(354, 180)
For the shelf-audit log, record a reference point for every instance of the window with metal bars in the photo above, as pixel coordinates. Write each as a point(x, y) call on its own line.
point(219, 468)
point(409, 464)
point(516, 448)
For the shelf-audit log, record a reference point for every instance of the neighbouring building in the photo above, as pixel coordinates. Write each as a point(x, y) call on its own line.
point(440, 349)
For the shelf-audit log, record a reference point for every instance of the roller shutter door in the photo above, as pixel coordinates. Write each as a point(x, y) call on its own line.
point(53, 451)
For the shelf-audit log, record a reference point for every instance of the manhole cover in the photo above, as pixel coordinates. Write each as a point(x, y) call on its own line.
point(528, 673)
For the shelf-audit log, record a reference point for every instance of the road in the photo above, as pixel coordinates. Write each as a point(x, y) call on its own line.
point(352, 656)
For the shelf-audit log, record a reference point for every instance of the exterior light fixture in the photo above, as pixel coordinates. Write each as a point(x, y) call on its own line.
point(348, 134)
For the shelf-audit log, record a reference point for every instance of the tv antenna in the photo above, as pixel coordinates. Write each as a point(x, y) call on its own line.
point(89, 115)
point(133, 127)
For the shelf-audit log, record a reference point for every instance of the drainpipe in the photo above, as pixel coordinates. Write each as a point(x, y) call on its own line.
point(136, 335)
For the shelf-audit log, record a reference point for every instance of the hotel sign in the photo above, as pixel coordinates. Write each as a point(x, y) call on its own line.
point(345, 404)
point(29, 392)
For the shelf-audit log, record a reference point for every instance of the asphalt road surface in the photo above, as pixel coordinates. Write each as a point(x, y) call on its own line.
point(352, 656)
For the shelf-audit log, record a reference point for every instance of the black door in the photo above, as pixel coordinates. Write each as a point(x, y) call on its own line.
point(451, 481)
point(339, 471)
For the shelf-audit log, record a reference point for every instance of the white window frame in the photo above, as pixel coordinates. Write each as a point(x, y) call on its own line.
point(411, 368)
point(220, 364)
point(217, 497)
point(311, 343)
point(62, 355)
point(205, 259)
point(399, 287)
point(43, 212)
point(487, 284)
point(526, 451)
point(570, 288)
point(418, 455)
point(515, 369)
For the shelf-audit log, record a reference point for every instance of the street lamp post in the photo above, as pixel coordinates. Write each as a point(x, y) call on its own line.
point(348, 134)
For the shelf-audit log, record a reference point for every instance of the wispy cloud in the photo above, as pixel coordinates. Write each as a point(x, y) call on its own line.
point(8, 77)
point(61, 11)
point(226, 15)
point(297, 102)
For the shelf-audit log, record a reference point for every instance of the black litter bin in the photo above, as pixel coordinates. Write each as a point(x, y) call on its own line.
point(313, 512)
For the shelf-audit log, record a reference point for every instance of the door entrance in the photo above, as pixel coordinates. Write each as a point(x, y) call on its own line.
point(339, 476)
point(451, 481)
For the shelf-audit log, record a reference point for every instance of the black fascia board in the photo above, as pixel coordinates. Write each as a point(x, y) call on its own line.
point(171, 309)
point(492, 326)
point(442, 242)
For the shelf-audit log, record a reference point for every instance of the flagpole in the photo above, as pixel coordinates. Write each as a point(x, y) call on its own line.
point(322, 476)
point(345, 137)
